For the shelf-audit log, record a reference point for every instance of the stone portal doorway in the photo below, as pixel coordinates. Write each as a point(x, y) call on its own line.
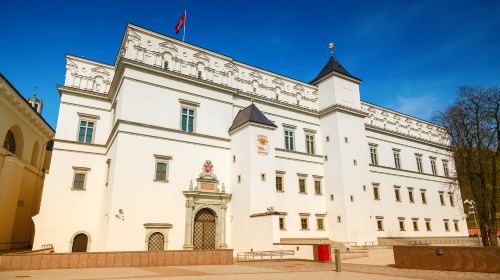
point(204, 230)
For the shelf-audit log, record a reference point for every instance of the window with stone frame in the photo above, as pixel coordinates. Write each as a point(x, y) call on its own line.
point(445, 168)
point(310, 144)
point(397, 158)
point(279, 183)
point(402, 226)
point(317, 186)
point(376, 192)
point(373, 154)
point(187, 119)
point(282, 224)
point(320, 223)
point(452, 199)
point(397, 193)
point(380, 223)
point(411, 198)
point(289, 139)
point(428, 224)
point(414, 222)
point(304, 221)
point(302, 184)
point(423, 196)
point(433, 165)
point(455, 225)
point(161, 168)
point(418, 158)
point(79, 178)
point(446, 225)
point(86, 131)
point(441, 198)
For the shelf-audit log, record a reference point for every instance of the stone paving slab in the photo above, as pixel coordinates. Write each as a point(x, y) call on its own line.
point(208, 272)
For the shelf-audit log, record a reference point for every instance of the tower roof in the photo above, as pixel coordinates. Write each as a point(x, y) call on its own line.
point(332, 66)
point(250, 114)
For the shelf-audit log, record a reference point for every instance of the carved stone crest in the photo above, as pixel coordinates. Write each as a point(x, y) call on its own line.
point(208, 171)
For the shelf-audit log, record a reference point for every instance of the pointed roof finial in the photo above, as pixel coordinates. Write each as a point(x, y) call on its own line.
point(330, 46)
point(34, 93)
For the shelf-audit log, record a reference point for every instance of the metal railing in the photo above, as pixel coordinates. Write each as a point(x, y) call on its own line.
point(349, 243)
point(264, 255)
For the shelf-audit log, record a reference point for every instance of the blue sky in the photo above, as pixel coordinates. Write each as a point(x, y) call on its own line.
point(411, 55)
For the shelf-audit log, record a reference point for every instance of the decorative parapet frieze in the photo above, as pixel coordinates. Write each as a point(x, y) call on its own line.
point(159, 50)
point(393, 121)
point(88, 75)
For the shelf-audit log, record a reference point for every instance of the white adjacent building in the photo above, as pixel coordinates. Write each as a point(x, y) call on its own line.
point(179, 147)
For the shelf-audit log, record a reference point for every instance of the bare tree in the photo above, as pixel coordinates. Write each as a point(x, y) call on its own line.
point(473, 124)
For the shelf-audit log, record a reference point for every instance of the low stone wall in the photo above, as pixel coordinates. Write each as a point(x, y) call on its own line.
point(441, 241)
point(114, 259)
point(477, 259)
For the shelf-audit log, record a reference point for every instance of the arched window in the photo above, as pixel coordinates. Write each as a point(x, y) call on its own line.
point(10, 142)
point(80, 242)
point(156, 242)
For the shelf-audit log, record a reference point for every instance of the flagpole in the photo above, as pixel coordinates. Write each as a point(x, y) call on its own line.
point(185, 20)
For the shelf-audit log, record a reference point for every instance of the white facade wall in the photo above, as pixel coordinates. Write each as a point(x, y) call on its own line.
point(139, 116)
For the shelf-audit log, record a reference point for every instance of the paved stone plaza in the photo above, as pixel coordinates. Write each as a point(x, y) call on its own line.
point(289, 270)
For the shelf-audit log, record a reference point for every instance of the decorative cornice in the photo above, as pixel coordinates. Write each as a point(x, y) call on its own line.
point(405, 136)
point(81, 92)
point(343, 109)
point(298, 153)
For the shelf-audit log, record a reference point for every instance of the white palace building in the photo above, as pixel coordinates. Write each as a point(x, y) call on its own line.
point(179, 147)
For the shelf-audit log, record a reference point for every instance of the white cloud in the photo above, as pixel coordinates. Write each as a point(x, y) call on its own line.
point(422, 106)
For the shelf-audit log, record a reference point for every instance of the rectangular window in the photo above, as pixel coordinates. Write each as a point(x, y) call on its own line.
point(446, 225)
point(410, 196)
point(445, 168)
point(86, 131)
point(339, 219)
point(428, 224)
point(187, 119)
point(317, 186)
point(380, 223)
point(320, 222)
point(415, 224)
point(402, 224)
point(376, 193)
point(302, 185)
point(422, 195)
point(161, 168)
point(397, 159)
point(452, 201)
point(397, 193)
point(373, 154)
point(79, 180)
point(289, 140)
point(304, 223)
point(161, 171)
point(310, 144)
point(418, 158)
point(441, 198)
point(455, 225)
point(108, 167)
point(433, 165)
point(282, 223)
point(279, 183)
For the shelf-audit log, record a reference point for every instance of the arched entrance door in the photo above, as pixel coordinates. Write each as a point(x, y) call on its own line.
point(204, 230)
point(80, 243)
